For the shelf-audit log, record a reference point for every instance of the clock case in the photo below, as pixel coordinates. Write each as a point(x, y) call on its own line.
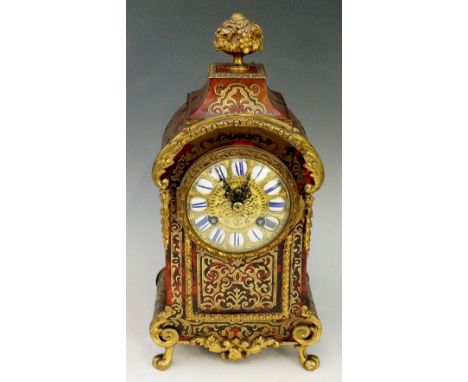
point(235, 109)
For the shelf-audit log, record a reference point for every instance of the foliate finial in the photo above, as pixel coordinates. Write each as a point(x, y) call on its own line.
point(238, 36)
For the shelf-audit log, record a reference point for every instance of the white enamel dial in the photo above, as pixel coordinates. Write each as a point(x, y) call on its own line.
point(238, 204)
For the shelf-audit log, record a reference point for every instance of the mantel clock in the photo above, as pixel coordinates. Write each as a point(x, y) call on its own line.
point(236, 175)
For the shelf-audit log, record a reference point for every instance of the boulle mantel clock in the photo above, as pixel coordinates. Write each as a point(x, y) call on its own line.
point(236, 175)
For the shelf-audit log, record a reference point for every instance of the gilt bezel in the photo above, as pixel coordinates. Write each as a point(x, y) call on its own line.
point(230, 152)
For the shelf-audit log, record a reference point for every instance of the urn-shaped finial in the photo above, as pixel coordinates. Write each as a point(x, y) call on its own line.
point(238, 36)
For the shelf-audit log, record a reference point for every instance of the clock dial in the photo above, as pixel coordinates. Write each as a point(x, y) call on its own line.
point(238, 205)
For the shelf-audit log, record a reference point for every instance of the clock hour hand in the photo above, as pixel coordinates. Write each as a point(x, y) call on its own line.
point(238, 194)
point(227, 190)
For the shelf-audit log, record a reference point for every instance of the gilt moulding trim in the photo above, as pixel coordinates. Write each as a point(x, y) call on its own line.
point(274, 126)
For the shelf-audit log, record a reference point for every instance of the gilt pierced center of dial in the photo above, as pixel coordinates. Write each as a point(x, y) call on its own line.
point(237, 215)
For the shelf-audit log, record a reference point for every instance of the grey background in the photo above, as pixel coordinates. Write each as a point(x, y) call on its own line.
point(169, 47)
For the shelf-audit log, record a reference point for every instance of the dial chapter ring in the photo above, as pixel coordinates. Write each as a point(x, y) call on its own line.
point(289, 194)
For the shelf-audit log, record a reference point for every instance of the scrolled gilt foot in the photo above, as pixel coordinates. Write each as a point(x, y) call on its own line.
point(305, 335)
point(310, 362)
point(163, 361)
point(163, 334)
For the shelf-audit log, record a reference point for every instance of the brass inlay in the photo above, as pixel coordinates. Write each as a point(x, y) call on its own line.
point(308, 199)
point(212, 73)
point(237, 98)
point(240, 284)
point(237, 317)
point(165, 196)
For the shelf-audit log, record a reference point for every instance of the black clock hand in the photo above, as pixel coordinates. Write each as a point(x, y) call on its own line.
point(239, 194)
point(246, 181)
point(227, 190)
point(246, 193)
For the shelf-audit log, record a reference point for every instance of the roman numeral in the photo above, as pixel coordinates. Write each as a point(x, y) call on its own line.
point(261, 170)
point(203, 223)
point(218, 235)
point(220, 173)
point(276, 204)
point(272, 188)
point(255, 234)
point(239, 168)
point(199, 205)
point(270, 223)
point(205, 187)
point(236, 239)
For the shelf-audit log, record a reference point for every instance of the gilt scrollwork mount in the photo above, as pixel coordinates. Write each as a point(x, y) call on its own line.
point(163, 331)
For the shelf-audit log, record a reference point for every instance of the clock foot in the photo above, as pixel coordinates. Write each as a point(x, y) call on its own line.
point(305, 335)
point(163, 361)
point(164, 334)
point(310, 362)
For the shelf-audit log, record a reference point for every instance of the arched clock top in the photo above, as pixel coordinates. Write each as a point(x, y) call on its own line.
point(216, 125)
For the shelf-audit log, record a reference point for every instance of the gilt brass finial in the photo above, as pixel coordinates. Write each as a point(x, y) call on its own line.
point(238, 36)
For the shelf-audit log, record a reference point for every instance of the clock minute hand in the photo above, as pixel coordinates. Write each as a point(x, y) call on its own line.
point(246, 193)
point(246, 181)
